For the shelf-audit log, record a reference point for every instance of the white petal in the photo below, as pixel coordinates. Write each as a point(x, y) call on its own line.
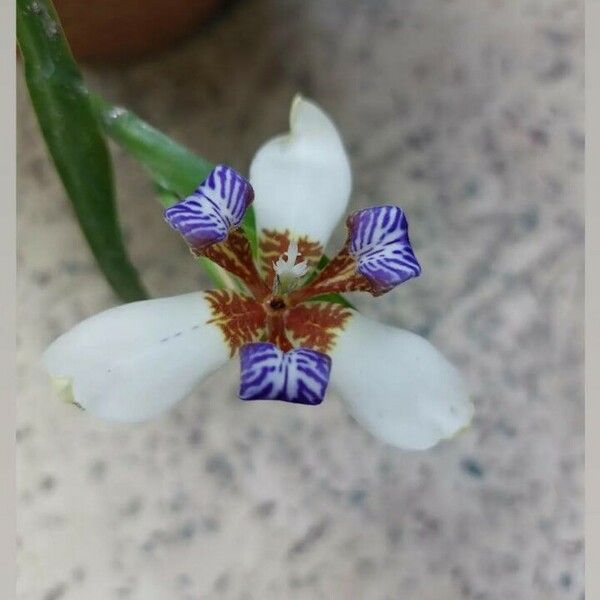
point(302, 180)
point(134, 361)
point(398, 385)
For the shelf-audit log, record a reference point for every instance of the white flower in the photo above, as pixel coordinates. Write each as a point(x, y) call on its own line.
point(137, 360)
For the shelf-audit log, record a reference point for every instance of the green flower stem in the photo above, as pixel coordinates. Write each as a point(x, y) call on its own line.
point(74, 140)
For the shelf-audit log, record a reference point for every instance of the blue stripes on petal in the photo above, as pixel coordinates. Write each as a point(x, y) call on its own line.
point(216, 207)
point(379, 243)
point(267, 373)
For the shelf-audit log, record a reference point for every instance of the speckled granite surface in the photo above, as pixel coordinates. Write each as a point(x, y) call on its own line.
point(470, 115)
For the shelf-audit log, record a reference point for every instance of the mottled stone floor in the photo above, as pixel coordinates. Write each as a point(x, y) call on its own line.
point(469, 114)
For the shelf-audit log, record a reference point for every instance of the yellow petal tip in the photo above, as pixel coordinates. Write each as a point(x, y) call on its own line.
point(63, 387)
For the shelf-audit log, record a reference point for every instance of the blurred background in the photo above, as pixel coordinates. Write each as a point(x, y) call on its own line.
point(470, 116)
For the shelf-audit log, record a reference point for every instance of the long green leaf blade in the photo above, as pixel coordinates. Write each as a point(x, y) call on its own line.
point(171, 165)
point(74, 140)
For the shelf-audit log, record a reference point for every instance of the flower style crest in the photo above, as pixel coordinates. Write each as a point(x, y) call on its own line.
point(136, 360)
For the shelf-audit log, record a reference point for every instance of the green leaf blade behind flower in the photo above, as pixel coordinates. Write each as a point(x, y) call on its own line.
point(172, 166)
point(74, 140)
point(334, 298)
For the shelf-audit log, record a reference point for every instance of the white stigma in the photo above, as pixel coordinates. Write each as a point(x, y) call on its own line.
point(287, 271)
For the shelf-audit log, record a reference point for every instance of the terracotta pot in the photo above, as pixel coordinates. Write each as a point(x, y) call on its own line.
point(117, 30)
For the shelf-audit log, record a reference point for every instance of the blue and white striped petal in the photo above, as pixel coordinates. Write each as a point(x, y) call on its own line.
point(216, 207)
point(267, 373)
point(378, 241)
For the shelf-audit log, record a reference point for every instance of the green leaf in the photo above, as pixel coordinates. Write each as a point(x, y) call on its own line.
point(249, 227)
point(74, 140)
point(334, 299)
point(165, 197)
point(172, 166)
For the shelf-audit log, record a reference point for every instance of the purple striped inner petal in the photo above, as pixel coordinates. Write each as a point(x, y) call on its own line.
point(379, 243)
point(216, 207)
point(267, 373)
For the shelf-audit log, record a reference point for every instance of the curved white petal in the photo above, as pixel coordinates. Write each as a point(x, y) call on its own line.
point(398, 385)
point(134, 361)
point(302, 180)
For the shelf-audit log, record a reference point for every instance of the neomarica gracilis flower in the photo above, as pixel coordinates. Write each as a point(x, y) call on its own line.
point(134, 361)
